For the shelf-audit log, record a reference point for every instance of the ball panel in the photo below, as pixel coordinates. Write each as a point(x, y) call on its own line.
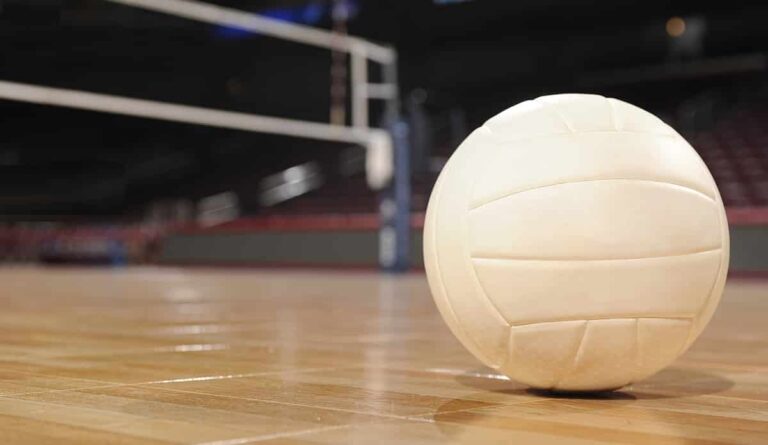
point(581, 112)
point(592, 220)
point(524, 120)
point(541, 354)
point(607, 357)
point(547, 161)
point(538, 291)
point(432, 266)
point(469, 314)
point(628, 117)
point(713, 297)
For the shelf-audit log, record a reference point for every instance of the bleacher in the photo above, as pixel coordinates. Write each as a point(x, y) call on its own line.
point(736, 151)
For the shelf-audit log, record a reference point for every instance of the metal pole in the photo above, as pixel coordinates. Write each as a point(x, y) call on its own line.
point(392, 104)
point(359, 87)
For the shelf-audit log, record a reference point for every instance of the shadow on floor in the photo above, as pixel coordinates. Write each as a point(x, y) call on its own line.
point(631, 414)
point(668, 383)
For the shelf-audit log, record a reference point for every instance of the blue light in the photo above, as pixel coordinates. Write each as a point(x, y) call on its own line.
point(283, 14)
point(230, 32)
point(313, 13)
point(309, 14)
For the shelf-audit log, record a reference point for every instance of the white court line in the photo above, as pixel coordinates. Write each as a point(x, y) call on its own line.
point(263, 437)
point(201, 347)
point(463, 372)
point(238, 376)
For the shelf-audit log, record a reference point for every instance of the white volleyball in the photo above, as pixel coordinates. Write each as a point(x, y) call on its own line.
point(575, 242)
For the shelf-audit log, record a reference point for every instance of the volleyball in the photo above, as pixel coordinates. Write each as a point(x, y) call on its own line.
point(576, 242)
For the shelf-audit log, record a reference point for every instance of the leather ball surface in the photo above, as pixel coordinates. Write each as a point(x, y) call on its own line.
point(575, 242)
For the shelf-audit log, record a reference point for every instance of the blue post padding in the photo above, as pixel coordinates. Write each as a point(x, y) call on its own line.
point(117, 253)
point(395, 207)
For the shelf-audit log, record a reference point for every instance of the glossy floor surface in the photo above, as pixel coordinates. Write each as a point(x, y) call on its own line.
point(134, 356)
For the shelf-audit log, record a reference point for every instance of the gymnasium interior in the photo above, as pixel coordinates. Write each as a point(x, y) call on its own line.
point(212, 216)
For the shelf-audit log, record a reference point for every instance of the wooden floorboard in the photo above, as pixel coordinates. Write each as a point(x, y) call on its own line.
point(195, 356)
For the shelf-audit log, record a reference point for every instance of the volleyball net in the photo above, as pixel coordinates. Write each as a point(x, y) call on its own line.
point(386, 147)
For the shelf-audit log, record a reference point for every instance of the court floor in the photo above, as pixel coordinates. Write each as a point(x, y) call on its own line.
point(151, 355)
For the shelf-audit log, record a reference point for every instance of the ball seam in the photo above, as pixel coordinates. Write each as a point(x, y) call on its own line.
point(582, 181)
point(500, 140)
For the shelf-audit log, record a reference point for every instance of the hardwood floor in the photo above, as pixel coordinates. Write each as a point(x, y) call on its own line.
point(128, 356)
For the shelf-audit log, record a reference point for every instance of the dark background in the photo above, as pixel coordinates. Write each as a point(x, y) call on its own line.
point(460, 63)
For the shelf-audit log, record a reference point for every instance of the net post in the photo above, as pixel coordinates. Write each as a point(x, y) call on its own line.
point(394, 207)
point(395, 199)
